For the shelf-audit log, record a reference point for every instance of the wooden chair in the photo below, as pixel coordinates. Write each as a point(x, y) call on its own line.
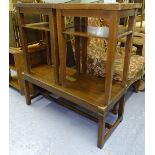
point(16, 63)
point(141, 12)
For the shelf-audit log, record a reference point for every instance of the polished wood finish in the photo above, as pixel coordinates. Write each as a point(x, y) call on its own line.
point(121, 108)
point(122, 32)
point(98, 95)
point(24, 42)
point(112, 43)
point(77, 85)
point(62, 45)
point(47, 48)
point(112, 18)
point(43, 26)
point(16, 63)
point(128, 48)
point(113, 22)
point(84, 41)
point(77, 44)
point(54, 45)
point(141, 11)
point(14, 83)
point(77, 6)
point(101, 130)
point(27, 92)
point(38, 26)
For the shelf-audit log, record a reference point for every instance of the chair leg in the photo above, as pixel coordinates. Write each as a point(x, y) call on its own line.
point(121, 107)
point(101, 130)
point(27, 92)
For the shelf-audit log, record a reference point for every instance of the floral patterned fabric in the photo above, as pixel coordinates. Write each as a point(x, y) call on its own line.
point(136, 68)
point(97, 58)
point(97, 22)
point(69, 21)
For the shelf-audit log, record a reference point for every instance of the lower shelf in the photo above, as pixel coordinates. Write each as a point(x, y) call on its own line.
point(83, 89)
point(14, 82)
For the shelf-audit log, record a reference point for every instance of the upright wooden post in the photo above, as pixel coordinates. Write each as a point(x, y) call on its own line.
point(49, 60)
point(121, 107)
point(112, 42)
point(54, 44)
point(62, 47)
point(142, 13)
point(23, 37)
point(77, 43)
point(101, 130)
point(27, 92)
point(84, 24)
point(128, 48)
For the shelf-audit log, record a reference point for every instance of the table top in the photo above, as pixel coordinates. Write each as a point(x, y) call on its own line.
point(83, 6)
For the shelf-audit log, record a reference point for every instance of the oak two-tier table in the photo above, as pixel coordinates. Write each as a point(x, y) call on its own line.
point(75, 85)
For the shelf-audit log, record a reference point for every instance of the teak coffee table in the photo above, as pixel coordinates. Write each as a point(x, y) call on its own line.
point(98, 95)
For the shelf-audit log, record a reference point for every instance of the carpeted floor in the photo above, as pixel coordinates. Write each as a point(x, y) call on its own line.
point(45, 128)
